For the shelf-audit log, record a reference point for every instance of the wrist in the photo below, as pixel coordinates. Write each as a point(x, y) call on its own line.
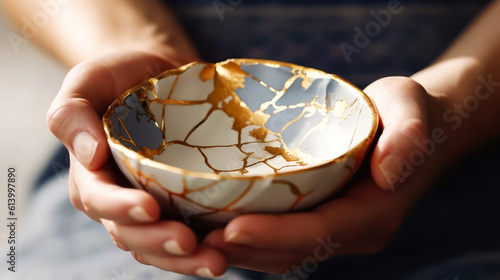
point(115, 25)
point(176, 53)
point(463, 103)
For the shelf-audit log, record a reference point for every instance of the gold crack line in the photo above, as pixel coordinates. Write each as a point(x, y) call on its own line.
point(177, 102)
point(184, 196)
point(278, 95)
point(240, 197)
point(274, 169)
point(294, 190)
point(288, 124)
point(185, 188)
point(286, 166)
point(322, 124)
point(261, 161)
point(174, 85)
point(346, 115)
point(207, 163)
point(164, 136)
point(206, 207)
point(131, 141)
point(202, 188)
point(210, 111)
point(152, 86)
point(319, 125)
point(355, 129)
point(247, 155)
point(179, 142)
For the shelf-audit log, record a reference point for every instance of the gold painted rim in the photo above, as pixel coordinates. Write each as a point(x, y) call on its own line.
point(363, 145)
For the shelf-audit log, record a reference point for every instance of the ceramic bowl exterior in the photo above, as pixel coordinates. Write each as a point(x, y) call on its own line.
point(211, 141)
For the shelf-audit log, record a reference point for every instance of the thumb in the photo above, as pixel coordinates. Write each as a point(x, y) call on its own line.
point(401, 105)
point(75, 114)
point(78, 127)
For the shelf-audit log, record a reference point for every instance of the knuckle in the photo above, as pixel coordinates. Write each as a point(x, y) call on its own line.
point(74, 197)
point(388, 86)
point(56, 117)
point(402, 82)
point(139, 257)
point(78, 70)
point(61, 115)
point(75, 201)
point(121, 246)
point(86, 203)
point(85, 189)
point(82, 70)
point(112, 231)
point(410, 84)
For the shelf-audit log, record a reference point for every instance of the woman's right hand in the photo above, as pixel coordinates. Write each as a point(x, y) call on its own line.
point(129, 215)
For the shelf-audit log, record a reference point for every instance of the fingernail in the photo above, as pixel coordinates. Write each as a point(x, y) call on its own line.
point(84, 146)
point(238, 238)
point(390, 168)
point(139, 214)
point(173, 247)
point(205, 272)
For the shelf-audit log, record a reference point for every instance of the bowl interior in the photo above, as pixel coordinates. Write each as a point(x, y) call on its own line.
point(242, 118)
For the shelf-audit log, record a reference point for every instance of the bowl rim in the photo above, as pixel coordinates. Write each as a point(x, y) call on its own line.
point(143, 160)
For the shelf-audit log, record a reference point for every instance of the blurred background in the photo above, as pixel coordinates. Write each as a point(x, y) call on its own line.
point(29, 80)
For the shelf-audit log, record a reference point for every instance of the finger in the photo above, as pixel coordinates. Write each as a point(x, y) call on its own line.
point(160, 238)
point(74, 115)
point(101, 198)
point(204, 262)
point(278, 232)
point(401, 105)
point(349, 234)
point(74, 194)
point(345, 225)
point(265, 260)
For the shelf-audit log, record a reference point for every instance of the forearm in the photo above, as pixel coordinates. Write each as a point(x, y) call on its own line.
point(465, 81)
point(81, 29)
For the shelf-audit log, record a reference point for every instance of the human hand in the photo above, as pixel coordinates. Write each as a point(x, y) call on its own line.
point(365, 216)
point(129, 215)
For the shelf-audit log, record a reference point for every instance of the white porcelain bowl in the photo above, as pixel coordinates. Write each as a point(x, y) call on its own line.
point(211, 141)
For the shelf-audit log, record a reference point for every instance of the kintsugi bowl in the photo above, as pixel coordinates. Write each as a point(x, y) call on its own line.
point(211, 141)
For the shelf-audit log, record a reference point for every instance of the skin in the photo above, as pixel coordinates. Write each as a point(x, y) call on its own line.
point(127, 41)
